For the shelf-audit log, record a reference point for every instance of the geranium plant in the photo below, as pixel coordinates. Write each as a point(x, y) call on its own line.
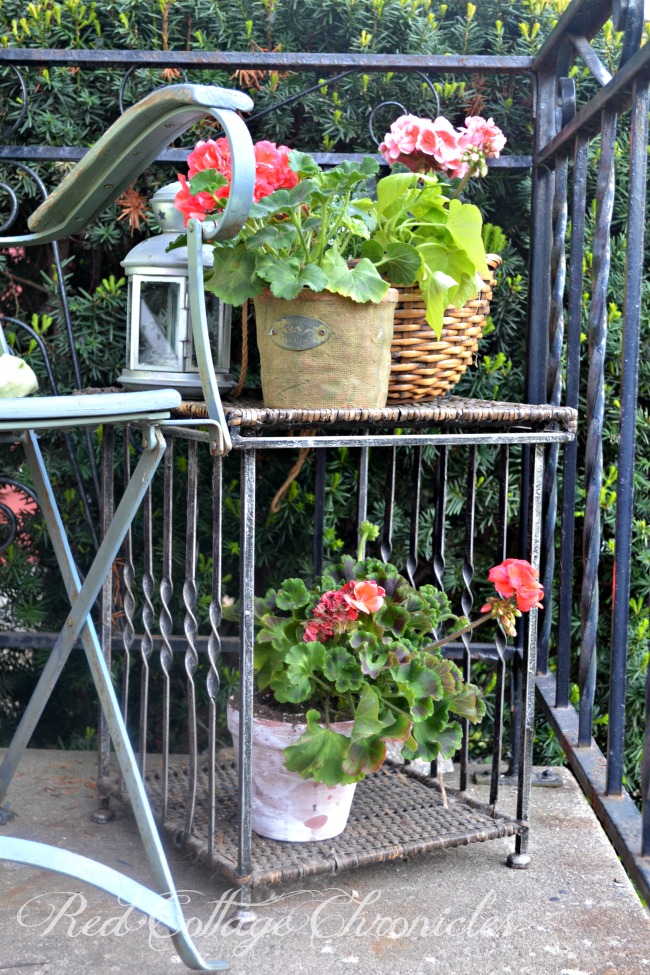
point(424, 233)
point(302, 228)
point(358, 645)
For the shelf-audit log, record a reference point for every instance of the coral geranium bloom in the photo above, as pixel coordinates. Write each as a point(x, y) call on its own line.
point(518, 578)
point(368, 597)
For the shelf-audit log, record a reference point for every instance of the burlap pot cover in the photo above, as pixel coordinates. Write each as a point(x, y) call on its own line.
point(324, 350)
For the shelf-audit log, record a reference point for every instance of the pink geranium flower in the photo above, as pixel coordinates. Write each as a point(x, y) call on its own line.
point(442, 141)
point(484, 135)
point(518, 578)
point(365, 596)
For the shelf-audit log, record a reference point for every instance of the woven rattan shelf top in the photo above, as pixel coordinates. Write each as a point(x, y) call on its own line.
point(444, 411)
point(394, 814)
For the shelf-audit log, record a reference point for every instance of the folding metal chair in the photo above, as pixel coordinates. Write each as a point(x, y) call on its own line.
point(126, 149)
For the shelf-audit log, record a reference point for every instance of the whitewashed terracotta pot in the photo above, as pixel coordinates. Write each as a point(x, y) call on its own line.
point(285, 806)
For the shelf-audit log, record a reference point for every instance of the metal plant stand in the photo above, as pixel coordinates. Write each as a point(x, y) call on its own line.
point(206, 804)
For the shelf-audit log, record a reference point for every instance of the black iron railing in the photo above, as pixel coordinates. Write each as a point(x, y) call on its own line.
point(566, 123)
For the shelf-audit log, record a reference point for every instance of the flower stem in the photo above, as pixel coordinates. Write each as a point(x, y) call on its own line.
point(452, 636)
point(464, 181)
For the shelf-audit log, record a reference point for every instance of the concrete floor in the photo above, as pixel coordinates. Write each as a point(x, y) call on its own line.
point(458, 912)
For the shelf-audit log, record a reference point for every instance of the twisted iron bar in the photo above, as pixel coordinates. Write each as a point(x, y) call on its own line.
point(467, 598)
point(595, 417)
point(414, 521)
point(214, 642)
point(146, 642)
point(165, 618)
point(554, 370)
point(190, 627)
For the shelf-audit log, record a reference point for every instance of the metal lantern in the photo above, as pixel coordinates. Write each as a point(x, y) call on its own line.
point(159, 343)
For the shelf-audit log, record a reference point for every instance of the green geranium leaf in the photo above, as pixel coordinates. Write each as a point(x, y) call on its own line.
point(319, 754)
point(372, 660)
point(233, 278)
point(343, 668)
point(420, 685)
point(292, 594)
point(449, 740)
point(361, 283)
point(280, 236)
point(373, 250)
point(394, 189)
point(364, 757)
point(303, 164)
point(287, 278)
point(427, 734)
point(282, 200)
point(207, 181)
point(465, 225)
point(397, 727)
point(393, 617)
point(366, 716)
point(468, 703)
point(295, 685)
point(401, 264)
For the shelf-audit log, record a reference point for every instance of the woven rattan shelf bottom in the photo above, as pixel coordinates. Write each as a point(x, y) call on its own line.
point(394, 815)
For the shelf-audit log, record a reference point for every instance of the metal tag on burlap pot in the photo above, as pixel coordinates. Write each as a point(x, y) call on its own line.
point(323, 350)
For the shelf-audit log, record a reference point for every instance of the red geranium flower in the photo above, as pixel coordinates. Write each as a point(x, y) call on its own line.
point(518, 578)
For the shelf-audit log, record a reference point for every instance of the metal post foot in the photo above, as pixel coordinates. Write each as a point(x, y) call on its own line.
point(242, 917)
point(518, 861)
point(102, 816)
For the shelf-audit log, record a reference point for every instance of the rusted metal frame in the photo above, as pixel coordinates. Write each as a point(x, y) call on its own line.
point(520, 858)
point(362, 489)
point(246, 683)
point(500, 637)
point(106, 511)
point(634, 274)
point(386, 544)
point(190, 628)
point(529, 437)
point(566, 99)
point(595, 418)
point(165, 619)
point(582, 17)
point(585, 50)
point(438, 539)
point(570, 453)
point(645, 773)
point(179, 156)
point(414, 515)
point(268, 61)
point(614, 97)
point(214, 645)
point(467, 598)
point(618, 814)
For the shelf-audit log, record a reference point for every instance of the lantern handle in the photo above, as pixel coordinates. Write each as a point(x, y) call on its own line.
point(130, 145)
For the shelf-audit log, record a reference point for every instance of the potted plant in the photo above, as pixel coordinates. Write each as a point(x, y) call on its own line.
point(346, 666)
point(429, 244)
point(324, 325)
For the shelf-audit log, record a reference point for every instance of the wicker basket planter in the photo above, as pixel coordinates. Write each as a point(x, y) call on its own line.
point(423, 367)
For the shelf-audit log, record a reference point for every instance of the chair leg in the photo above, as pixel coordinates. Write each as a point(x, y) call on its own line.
point(166, 908)
point(81, 597)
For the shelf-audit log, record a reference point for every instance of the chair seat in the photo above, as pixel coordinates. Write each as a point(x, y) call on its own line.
point(47, 412)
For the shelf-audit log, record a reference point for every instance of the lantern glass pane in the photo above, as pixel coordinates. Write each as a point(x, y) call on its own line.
point(158, 337)
point(219, 323)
